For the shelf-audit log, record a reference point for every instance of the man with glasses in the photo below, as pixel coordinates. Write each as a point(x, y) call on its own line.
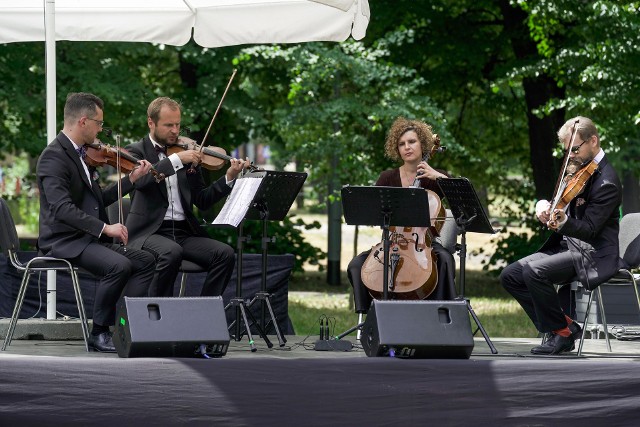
point(73, 219)
point(583, 246)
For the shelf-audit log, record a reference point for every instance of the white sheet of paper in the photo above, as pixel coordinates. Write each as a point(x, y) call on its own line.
point(238, 202)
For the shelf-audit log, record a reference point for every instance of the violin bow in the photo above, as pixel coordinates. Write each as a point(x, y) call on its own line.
point(192, 169)
point(218, 109)
point(557, 192)
point(118, 138)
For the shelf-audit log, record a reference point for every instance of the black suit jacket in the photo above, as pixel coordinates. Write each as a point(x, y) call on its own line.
point(72, 209)
point(149, 201)
point(593, 227)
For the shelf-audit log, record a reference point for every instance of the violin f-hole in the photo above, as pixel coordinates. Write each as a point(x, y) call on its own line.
point(417, 237)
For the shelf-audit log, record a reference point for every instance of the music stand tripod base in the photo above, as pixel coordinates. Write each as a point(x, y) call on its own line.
point(265, 299)
point(470, 216)
point(243, 308)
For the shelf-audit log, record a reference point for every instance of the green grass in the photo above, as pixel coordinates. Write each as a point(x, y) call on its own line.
point(311, 298)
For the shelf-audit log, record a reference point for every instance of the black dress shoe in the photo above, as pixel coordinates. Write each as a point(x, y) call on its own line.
point(549, 336)
point(102, 343)
point(576, 330)
point(556, 344)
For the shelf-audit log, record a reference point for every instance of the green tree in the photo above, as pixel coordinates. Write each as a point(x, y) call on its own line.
point(591, 49)
point(332, 112)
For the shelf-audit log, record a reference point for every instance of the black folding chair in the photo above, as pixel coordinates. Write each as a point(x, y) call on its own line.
point(629, 245)
point(10, 245)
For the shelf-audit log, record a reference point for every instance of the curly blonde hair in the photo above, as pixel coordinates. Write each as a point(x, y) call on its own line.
point(399, 127)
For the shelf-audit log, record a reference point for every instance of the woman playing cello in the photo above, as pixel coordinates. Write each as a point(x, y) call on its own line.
point(408, 141)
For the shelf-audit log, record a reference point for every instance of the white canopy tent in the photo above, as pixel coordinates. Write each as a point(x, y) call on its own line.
point(213, 23)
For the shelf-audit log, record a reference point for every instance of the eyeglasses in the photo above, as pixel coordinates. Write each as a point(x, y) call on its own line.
point(576, 149)
point(100, 122)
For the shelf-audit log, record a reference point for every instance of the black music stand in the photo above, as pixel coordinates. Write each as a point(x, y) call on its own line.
point(470, 216)
point(385, 207)
point(272, 201)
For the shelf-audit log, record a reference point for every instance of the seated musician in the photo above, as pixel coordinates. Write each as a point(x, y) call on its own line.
point(73, 219)
point(161, 219)
point(584, 243)
point(408, 141)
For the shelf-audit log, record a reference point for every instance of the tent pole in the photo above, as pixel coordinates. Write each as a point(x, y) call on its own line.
point(50, 71)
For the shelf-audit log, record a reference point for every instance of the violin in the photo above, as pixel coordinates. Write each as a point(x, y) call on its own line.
point(100, 154)
point(570, 184)
point(213, 158)
point(413, 272)
point(574, 186)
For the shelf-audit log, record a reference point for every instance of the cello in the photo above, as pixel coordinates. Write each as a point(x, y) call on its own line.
point(413, 273)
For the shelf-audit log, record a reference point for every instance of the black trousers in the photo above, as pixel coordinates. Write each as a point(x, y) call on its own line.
point(531, 281)
point(445, 289)
point(124, 272)
point(174, 242)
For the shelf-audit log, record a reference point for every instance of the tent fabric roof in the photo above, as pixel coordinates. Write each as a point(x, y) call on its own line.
point(214, 23)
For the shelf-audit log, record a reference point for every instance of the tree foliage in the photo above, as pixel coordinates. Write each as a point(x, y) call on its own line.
point(337, 100)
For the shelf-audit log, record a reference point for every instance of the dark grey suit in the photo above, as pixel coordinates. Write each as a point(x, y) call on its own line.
point(589, 252)
point(72, 216)
point(170, 241)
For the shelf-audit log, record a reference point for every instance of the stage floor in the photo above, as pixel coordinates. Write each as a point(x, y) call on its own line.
point(298, 347)
point(59, 383)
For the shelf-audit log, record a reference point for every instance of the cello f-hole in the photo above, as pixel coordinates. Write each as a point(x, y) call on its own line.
point(418, 249)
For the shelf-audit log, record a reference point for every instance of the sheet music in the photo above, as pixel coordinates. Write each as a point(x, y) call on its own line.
point(238, 202)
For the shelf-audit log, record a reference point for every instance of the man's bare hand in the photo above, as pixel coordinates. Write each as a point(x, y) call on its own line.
point(544, 217)
point(139, 171)
point(558, 217)
point(236, 167)
point(117, 231)
point(189, 156)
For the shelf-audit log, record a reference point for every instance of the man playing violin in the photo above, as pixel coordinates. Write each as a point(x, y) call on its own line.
point(73, 219)
point(408, 141)
point(161, 219)
point(584, 245)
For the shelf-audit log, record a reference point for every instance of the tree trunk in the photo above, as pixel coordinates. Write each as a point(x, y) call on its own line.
point(335, 209)
point(543, 134)
point(335, 227)
point(538, 91)
point(300, 196)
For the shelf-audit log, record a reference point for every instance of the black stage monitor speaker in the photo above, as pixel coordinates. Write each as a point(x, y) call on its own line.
point(170, 327)
point(418, 330)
